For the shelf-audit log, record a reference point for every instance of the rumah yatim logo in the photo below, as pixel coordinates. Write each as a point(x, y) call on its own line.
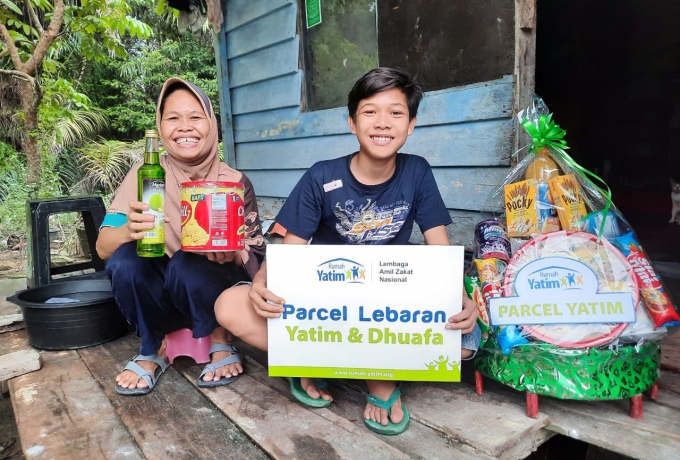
point(341, 271)
point(555, 277)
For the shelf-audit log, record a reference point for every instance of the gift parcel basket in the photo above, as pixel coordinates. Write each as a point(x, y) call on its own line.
point(570, 306)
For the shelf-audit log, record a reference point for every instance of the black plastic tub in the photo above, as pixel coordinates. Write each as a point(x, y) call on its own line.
point(91, 320)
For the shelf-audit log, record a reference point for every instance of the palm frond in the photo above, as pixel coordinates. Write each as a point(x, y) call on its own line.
point(81, 125)
point(105, 164)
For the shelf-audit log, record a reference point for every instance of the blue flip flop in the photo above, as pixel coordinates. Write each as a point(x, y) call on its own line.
point(391, 428)
point(234, 357)
point(149, 378)
point(301, 395)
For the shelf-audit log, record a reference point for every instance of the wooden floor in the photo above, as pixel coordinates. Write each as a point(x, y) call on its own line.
point(69, 410)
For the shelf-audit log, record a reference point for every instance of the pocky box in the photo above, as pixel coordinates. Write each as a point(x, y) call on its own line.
point(520, 208)
point(568, 199)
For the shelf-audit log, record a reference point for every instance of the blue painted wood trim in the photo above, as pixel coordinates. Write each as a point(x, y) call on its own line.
point(226, 122)
point(479, 143)
point(461, 188)
point(242, 12)
point(469, 188)
point(271, 94)
point(488, 100)
point(268, 63)
point(274, 28)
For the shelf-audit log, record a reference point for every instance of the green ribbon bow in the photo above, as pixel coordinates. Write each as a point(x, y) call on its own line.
point(545, 133)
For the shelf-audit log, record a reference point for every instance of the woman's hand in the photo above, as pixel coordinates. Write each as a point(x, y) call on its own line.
point(137, 222)
point(223, 257)
point(466, 319)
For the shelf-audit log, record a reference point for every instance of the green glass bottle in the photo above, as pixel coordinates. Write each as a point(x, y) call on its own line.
point(151, 190)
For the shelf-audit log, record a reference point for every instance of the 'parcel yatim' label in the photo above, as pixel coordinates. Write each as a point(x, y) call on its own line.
point(559, 290)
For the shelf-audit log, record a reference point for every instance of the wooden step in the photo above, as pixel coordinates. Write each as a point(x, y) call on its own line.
point(69, 409)
point(447, 420)
point(607, 424)
point(62, 412)
point(16, 356)
point(174, 420)
point(260, 411)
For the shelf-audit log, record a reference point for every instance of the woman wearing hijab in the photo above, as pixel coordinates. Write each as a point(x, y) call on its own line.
point(162, 294)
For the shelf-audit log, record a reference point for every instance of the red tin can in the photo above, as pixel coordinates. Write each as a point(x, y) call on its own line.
point(212, 216)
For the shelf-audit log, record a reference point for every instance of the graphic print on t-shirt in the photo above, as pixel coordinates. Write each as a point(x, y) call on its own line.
point(367, 223)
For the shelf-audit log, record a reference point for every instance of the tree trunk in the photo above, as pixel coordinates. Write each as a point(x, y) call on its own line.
point(33, 160)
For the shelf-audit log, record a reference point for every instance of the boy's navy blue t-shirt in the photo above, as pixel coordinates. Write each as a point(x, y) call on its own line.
point(329, 206)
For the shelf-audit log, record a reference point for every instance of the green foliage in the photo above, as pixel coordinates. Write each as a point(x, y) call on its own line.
point(88, 90)
point(104, 164)
point(127, 91)
point(65, 116)
point(9, 159)
point(13, 195)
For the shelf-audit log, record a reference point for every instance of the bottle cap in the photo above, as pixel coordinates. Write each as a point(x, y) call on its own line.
point(151, 133)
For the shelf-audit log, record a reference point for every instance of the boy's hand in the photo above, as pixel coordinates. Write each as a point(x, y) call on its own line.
point(264, 302)
point(466, 319)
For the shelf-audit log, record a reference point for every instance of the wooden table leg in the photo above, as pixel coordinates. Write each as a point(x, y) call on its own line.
point(654, 391)
point(479, 384)
point(636, 411)
point(532, 405)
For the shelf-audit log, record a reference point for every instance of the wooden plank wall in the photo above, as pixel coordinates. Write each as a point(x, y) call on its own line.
point(466, 133)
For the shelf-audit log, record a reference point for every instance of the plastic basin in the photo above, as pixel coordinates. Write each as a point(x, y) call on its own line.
point(92, 319)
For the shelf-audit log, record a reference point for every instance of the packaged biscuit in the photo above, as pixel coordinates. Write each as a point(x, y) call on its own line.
point(654, 296)
point(566, 194)
point(474, 292)
point(520, 206)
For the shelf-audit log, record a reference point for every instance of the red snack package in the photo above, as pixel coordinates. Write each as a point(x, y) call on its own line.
point(654, 296)
point(490, 278)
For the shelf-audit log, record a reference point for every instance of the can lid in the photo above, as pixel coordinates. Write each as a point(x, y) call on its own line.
point(151, 133)
point(211, 184)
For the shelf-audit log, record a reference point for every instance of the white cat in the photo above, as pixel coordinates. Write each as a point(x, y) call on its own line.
point(675, 199)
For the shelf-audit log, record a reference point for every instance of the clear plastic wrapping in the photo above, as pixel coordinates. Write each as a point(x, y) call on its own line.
point(550, 207)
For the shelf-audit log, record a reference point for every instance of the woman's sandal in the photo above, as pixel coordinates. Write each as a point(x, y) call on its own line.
point(234, 357)
point(301, 395)
point(142, 373)
point(391, 428)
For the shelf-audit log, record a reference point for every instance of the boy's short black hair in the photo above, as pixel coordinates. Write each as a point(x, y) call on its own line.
point(379, 80)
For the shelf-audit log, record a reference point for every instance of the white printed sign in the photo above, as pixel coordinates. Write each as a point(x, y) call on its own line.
point(365, 312)
point(559, 290)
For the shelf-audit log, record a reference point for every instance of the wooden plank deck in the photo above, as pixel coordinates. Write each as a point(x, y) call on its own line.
point(69, 409)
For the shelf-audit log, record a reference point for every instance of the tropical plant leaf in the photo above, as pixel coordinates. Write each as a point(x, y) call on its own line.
point(11, 6)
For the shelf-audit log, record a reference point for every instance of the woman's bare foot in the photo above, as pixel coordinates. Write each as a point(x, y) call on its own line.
point(383, 389)
point(221, 335)
point(130, 380)
point(309, 386)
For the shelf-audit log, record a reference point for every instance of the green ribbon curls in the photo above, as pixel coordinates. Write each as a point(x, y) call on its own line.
point(545, 133)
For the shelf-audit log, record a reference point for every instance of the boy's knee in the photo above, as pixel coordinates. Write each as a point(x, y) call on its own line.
point(229, 307)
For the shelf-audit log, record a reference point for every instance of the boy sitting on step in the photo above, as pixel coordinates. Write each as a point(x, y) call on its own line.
point(382, 114)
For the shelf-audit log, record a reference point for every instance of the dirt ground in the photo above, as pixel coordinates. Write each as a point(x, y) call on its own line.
point(12, 263)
